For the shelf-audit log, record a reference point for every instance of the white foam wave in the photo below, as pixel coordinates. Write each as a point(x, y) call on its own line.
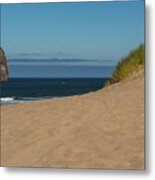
point(13, 100)
point(7, 99)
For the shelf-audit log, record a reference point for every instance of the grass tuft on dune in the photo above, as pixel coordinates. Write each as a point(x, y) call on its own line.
point(128, 65)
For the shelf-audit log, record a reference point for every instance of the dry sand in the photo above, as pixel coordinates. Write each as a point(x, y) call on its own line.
point(102, 129)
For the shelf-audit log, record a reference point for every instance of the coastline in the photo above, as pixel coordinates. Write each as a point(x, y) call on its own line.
point(102, 129)
point(30, 89)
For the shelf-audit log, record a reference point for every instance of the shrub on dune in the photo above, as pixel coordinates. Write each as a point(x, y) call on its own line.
point(128, 65)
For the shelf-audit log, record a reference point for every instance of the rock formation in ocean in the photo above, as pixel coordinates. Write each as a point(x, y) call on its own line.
point(3, 66)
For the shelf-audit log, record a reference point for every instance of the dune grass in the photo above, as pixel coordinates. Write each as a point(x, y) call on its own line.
point(128, 65)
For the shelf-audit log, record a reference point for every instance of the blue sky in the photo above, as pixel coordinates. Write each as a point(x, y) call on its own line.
point(92, 30)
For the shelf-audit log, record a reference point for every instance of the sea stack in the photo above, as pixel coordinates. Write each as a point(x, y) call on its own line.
point(3, 66)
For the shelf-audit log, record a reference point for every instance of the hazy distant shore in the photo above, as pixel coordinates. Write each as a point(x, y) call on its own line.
point(102, 129)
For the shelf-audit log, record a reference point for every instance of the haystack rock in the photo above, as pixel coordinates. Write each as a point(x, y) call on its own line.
point(4, 75)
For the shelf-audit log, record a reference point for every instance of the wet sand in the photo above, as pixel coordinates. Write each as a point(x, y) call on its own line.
point(102, 129)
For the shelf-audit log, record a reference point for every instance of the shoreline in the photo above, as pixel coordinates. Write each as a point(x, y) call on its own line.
point(45, 99)
point(32, 89)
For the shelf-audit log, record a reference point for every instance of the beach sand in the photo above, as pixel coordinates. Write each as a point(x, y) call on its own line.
point(102, 129)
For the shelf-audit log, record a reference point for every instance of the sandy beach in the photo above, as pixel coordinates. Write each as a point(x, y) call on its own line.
point(102, 129)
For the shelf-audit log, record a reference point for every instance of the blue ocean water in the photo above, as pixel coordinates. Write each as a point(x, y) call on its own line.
point(17, 90)
point(50, 70)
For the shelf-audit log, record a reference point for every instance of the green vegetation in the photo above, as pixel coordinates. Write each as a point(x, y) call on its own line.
point(128, 65)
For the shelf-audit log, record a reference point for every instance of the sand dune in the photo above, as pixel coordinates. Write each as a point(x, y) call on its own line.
point(102, 129)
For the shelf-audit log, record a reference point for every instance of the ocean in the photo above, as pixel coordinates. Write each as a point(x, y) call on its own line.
point(18, 90)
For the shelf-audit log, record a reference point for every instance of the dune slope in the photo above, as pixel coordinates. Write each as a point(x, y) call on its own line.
point(102, 129)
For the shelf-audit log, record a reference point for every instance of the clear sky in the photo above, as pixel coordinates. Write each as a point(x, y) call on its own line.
point(88, 30)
